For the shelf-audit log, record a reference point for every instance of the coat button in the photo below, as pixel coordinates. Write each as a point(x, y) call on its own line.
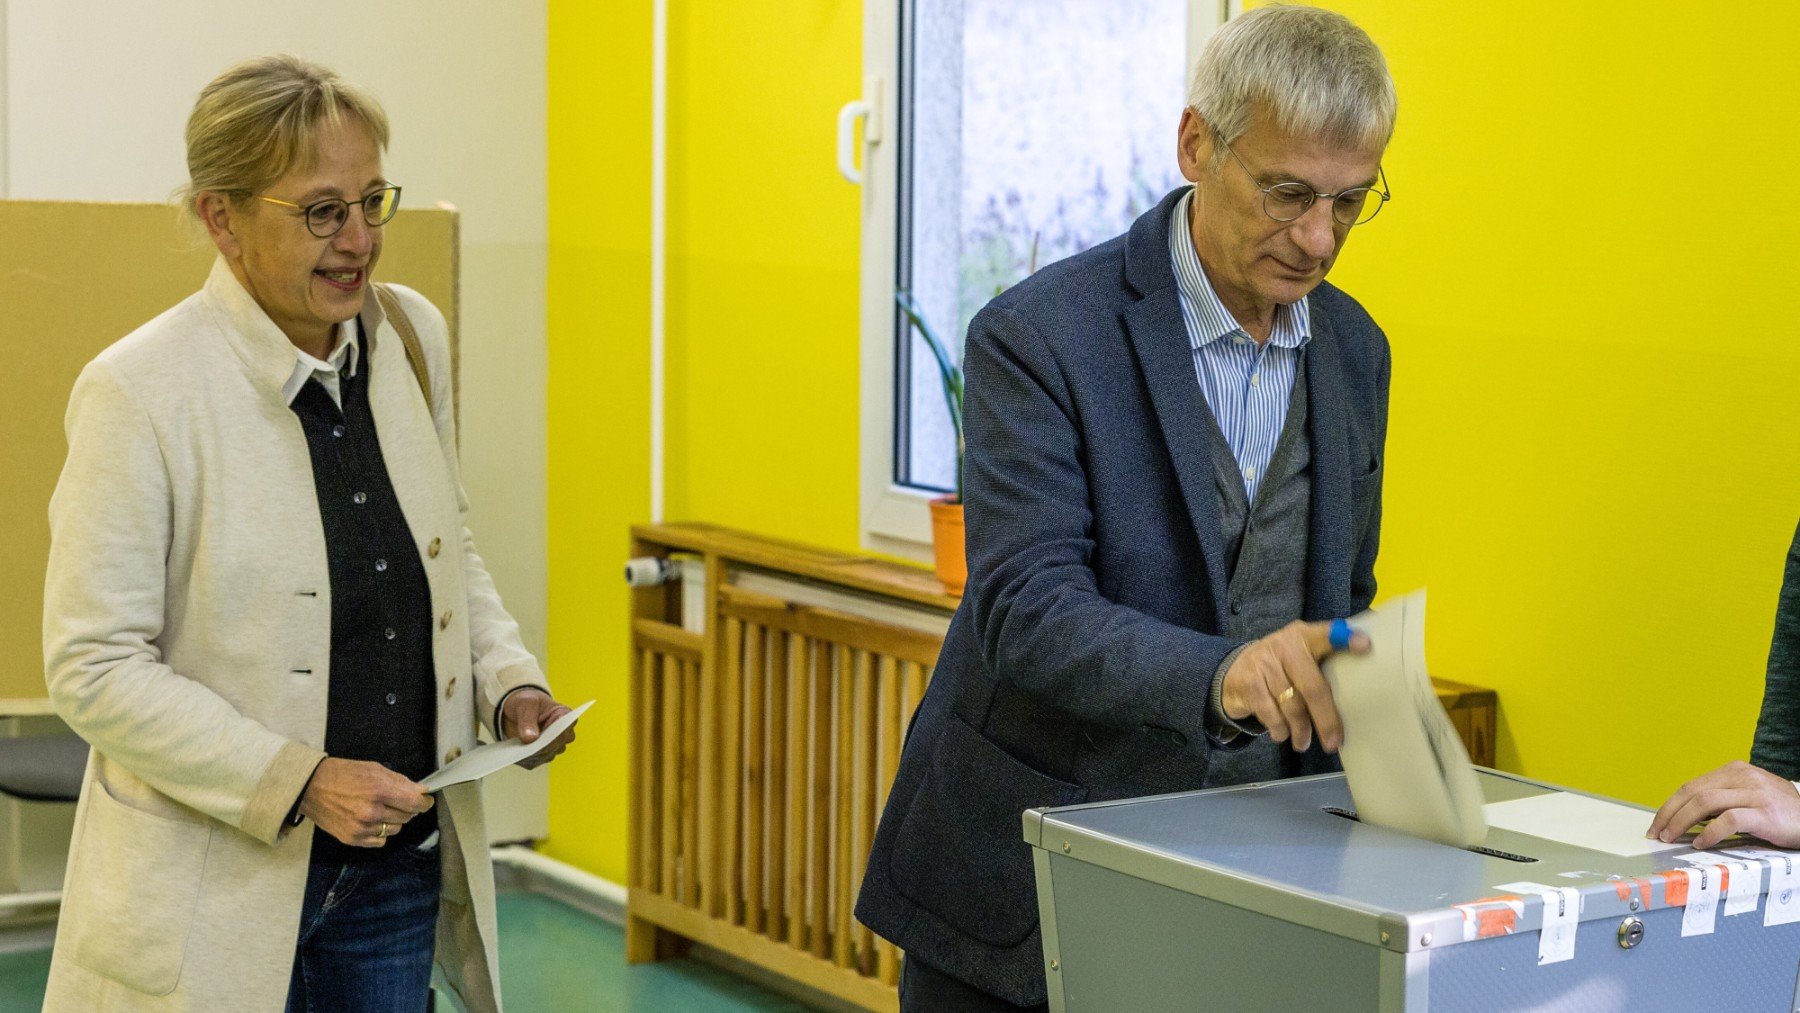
point(451, 756)
point(444, 623)
point(381, 566)
point(450, 688)
point(436, 544)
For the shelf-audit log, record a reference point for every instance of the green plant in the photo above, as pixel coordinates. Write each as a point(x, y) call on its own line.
point(949, 370)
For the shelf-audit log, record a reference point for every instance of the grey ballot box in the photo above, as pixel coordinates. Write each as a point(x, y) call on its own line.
point(1273, 897)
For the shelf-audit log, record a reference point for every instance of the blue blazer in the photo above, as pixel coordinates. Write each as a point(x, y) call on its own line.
point(1078, 666)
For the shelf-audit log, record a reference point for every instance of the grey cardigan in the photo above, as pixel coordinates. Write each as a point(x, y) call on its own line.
point(1079, 663)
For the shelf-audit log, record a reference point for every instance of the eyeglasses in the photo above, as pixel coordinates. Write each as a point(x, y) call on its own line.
point(326, 218)
point(1286, 202)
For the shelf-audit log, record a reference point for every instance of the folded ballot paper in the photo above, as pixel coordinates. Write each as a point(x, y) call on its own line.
point(1407, 768)
point(481, 761)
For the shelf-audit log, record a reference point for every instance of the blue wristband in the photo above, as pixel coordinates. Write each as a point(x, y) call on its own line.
point(1340, 634)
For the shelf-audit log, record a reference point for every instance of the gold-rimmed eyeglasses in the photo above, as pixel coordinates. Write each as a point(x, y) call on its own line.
point(1286, 202)
point(326, 218)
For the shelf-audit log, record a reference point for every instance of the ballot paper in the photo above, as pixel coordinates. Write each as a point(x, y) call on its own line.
point(481, 761)
point(1406, 767)
point(1580, 820)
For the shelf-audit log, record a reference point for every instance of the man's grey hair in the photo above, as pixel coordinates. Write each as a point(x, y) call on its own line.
point(1313, 72)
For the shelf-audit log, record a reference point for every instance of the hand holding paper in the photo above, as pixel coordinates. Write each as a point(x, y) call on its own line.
point(481, 761)
point(1406, 766)
point(1277, 681)
point(525, 714)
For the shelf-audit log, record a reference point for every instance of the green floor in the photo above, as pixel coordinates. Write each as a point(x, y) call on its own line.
point(552, 957)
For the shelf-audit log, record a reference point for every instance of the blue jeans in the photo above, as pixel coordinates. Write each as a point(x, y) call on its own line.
point(367, 932)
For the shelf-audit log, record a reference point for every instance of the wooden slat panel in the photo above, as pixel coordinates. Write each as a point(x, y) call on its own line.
point(818, 817)
point(818, 623)
point(690, 782)
point(756, 689)
point(707, 807)
point(668, 638)
point(887, 680)
point(799, 714)
point(911, 692)
point(643, 787)
point(728, 861)
point(844, 799)
point(669, 781)
point(866, 793)
point(775, 773)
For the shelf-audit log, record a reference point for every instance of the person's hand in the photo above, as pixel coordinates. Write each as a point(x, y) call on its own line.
point(361, 803)
point(525, 715)
point(1277, 680)
point(1739, 799)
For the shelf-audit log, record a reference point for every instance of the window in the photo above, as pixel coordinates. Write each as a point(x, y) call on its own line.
point(1016, 134)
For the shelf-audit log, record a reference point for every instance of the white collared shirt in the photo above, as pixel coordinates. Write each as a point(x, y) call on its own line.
point(340, 363)
point(1246, 385)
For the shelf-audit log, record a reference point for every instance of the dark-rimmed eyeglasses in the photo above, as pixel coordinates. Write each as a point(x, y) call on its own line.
point(1286, 202)
point(326, 218)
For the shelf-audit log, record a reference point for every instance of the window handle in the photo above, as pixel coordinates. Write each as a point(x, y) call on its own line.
point(867, 109)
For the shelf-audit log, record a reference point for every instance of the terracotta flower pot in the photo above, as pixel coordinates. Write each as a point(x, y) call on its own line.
point(947, 544)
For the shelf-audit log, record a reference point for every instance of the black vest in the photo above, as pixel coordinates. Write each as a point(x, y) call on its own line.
point(383, 692)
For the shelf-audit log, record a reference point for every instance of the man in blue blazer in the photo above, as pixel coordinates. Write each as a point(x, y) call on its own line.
point(1174, 453)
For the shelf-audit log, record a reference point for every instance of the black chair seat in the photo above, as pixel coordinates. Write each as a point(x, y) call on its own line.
point(43, 768)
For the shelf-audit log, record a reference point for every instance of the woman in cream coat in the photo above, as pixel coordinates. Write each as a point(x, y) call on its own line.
point(188, 627)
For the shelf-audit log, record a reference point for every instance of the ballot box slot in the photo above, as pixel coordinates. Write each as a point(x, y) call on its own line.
point(1350, 815)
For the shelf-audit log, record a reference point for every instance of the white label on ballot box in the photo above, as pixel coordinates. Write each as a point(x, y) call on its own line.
point(1784, 884)
point(1562, 916)
point(1743, 881)
point(1702, 912)
point(1744, 889)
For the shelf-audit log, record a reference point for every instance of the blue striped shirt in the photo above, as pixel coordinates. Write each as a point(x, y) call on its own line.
point(1246, 386)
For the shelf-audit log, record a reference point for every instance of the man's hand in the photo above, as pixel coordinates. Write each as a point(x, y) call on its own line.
point(1739, 799)
point(525, 714)
point(1277, 680)
point(361, 803)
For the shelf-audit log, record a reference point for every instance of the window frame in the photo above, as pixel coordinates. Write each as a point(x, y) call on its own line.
point(894, 518)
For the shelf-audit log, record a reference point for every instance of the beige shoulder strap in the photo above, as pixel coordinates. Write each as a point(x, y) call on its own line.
point(415, 352)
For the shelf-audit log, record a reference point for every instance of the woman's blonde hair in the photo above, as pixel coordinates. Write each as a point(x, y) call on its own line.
point(261, 118)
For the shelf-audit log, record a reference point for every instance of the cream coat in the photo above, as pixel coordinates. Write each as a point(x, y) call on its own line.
point(187, 637)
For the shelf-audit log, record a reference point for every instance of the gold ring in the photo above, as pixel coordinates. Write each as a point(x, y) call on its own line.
point(1286, 695)
point(384, 830)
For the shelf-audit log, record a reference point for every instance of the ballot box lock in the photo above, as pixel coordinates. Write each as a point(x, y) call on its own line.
point(1631, 933)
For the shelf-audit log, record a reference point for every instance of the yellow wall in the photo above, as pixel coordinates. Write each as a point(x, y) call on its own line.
point(599, 396)
point(763, 246)
point(761, 324)
point(1592, 461)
